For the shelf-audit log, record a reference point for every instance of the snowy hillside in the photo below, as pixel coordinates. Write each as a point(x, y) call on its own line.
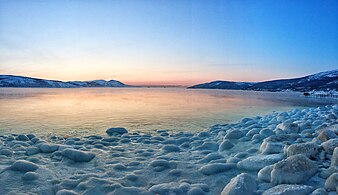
point(323, 81)
point(20, 81)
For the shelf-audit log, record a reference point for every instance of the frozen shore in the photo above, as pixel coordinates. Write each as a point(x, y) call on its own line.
point(293, 152)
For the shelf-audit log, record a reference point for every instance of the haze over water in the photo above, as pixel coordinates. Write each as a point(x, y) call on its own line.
point(88, 111)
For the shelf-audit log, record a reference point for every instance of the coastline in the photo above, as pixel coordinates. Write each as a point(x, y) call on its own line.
point(292, 152)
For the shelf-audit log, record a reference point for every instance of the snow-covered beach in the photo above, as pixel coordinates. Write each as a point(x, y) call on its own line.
point(291, 152)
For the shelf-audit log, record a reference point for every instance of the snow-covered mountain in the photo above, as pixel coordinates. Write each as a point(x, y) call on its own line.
point(323, 81)
point(20, 81)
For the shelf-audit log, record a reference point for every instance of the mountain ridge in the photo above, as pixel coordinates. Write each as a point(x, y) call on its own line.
point(30, 82)
point(322, 81)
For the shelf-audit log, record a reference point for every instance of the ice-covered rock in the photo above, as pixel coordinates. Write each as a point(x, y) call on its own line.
point(215, 168)
point(116, 130)
point(309, 149)
point(255, 163)
point(47, 148)
point(23, 166)
point(66, 192)
point(171, 148)
point(265, 174)
point(334, 158)
point(234, 134)
point(326, 134)
point(32, 150)
point(22, 137)
point(77, 155)
point(331, 182)
point(295, 169)
point(225, 145)
point(330, 145)
point(271, 147)
point(289, 189)
point(319, 191)
point(6, 152)
point(30, 176)
point(241, 184)
point(288, 127)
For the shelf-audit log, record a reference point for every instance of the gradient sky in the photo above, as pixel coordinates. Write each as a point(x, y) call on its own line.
point(168, 42)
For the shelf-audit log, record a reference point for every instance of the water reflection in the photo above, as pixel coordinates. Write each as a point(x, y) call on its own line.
point(92, 110)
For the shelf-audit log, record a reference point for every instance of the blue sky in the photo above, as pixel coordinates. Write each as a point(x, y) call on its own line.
point(167, 42)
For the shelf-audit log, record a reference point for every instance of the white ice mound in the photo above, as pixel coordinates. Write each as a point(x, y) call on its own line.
point(255, 163)
point(24, 166)
point(295, 169)
point(241, 184)
point(289, 189)
point(116, 130)
point(77, 155)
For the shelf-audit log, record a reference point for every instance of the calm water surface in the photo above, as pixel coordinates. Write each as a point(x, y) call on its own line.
point(87, 111)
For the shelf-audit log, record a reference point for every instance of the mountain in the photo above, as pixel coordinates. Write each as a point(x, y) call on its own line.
point(323, 81)
point(20, 81)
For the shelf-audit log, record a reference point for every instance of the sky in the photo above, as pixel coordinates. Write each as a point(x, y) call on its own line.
point(161, 42)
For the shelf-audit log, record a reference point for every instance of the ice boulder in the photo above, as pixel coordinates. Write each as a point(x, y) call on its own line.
point(241, 184)
point(32, 150)
point(234, 134)
point(6, 152)
point(214, 168)
point(295, 169)
point(309, 149)
point(330, 145)
point(331, 183)
point(24, 166)
point(255, 163)
point(47, 148)
point(326, 135)
point(265, 174)
point(30, 176)
point(225, 145)
point(116, 130)
point(77, 155)
point(288, 127)
point(289, 189)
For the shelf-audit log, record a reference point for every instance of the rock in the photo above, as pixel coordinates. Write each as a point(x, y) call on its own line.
point(334, 158)
point(66, 192)
point(241, 184)
point(288, 127)
point(209, 146)
point(30, 176)
point(234, 134)
point(77, 155)
point(46, 148)
point(24, 166)
point(195, 191)
point(211, 169)
point(331, 182)
point(22, 137)
point(171, 148)
point(326, 135)
point(255, 163)
point(271, 147)
point(295, 169)
point(330, 145)
point(32, 150)
point(116, 130)
point(265, 174)
point(289, 189)
point(309, 149)
point(6, 152)
point(319, 191)
point(225, 145)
